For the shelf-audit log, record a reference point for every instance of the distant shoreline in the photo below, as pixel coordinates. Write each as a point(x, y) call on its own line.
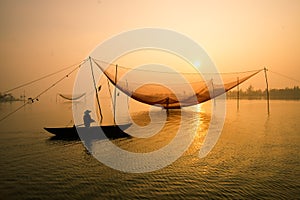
point(275, 94)
point(263, 98)
point(8, 98)
point(250, 94)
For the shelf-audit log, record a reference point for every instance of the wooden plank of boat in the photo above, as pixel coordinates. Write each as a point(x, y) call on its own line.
point(111, 131)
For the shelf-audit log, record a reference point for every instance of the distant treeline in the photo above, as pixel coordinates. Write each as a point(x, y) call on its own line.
point(251, 93)
point(7, 97)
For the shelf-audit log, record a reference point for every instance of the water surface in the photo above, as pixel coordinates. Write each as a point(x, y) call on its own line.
point(257, 156)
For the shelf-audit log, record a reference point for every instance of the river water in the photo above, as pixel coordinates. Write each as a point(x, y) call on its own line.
point(256, 156)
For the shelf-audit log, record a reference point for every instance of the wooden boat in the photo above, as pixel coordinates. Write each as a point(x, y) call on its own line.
point(93, 132)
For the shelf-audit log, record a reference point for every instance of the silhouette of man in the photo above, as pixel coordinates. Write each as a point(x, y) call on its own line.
point(87, 118)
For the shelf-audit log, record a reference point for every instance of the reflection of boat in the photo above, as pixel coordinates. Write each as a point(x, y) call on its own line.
point(110, 131)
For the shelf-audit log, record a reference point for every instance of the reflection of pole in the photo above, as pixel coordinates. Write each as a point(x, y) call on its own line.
point(213, 91)
point(238, 94)
point(268, 95)
point(96, 91)
point(127, 95)
point(115, 94)
point(24, 96)
point(167, 105)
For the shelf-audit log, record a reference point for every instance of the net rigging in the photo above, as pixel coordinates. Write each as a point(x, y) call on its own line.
point(193, 90)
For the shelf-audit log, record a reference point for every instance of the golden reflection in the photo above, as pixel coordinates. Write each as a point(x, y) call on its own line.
point(195, 128)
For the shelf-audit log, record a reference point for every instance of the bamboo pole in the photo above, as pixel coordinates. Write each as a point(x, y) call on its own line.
point(213, 91)
point(98, 102)
point(268, 95)
point(238, 94)
point(115, 94)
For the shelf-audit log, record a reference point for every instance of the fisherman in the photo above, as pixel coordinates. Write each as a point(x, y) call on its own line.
point(87, 118)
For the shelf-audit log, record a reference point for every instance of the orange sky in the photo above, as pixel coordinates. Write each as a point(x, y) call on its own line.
point(40, 36)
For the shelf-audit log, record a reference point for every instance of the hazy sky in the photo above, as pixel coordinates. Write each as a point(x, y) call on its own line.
point(42, 36)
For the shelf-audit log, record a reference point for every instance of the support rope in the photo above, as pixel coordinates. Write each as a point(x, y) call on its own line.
point(96, 89)
point(109, 90)
point(36, 98)
point(115, 94)
point(120, 66)
point(285, 76)
point(43, 77)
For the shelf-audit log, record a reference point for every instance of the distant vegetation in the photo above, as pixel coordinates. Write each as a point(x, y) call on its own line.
point(251, 93)
point(7, 97)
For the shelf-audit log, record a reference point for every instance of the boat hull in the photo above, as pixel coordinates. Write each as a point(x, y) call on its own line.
point(94, 132)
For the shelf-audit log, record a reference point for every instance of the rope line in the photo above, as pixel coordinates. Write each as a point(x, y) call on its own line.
point(36, 98)
point(285, 76)
point(43, 77)
point(109, 91)
point(55, 83)
point(9, 114)
point(96, 90)
point(249, 71)
point(120, 66)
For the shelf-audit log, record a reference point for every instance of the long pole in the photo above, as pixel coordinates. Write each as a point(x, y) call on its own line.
point(213, 91)
point(98, 102)
point(268, 95)
point(24, 96)
point(238, 94)
point(115, 94)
